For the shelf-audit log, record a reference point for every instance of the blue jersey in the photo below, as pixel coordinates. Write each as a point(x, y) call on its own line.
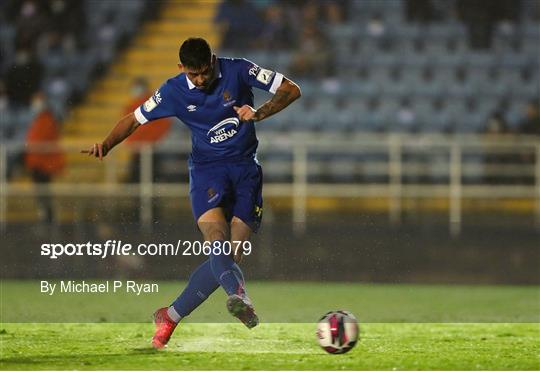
point(216, 132)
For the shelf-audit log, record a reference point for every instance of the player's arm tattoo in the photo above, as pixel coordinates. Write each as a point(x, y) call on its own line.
point(287, 93)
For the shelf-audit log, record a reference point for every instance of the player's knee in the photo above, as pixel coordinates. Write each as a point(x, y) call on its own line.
point(213, 231)
point(216, 234)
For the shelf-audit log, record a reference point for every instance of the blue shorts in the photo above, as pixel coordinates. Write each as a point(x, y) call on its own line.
point(236, 187)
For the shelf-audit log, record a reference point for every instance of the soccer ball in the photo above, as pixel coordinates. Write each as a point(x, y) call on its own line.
point(337, 332)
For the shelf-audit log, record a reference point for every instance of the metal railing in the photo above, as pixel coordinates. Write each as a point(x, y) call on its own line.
point(390, 166)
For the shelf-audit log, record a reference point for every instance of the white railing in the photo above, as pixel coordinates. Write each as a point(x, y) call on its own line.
point(391, 166)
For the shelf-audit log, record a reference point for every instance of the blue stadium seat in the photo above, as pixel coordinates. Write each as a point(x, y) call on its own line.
point(460, 90)
point(531, 30)
point(514, 61)
point(417, 60)
point(371, 121)
point(361, 89)
point(470, 122)
point(526, 90)
point(450, 60)
point(437, 122)
point(386, 60)
point(431, 88)
point(396, 89)
point(480, 60)
point(444, 31)
point(342, 167)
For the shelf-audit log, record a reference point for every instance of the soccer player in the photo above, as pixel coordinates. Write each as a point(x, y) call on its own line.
point(213, 97)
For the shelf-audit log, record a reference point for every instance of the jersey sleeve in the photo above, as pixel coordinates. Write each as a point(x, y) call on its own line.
point(159, 105)
point(258, 77)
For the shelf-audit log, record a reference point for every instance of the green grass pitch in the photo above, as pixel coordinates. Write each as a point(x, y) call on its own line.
point(402, 327)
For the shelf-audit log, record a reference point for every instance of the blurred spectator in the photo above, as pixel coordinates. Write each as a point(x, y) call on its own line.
point(376, 27)
point(23, 78)
point(3, 98)
point(106, 37)
point(334, 11)
point(276, 32)
point(310, 13)
point(43, 158)
point(67, 18)
point(496, 123)
point(145, 134)
point(241, 24)
point(312, 58)
point(30, 24)
point(531, 122)
point(481, 16)
point(5, 125)
point(406, 117)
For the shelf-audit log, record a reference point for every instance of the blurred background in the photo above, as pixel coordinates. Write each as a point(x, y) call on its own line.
point(412, 156)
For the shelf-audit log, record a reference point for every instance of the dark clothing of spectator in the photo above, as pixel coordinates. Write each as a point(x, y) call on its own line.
point(23, 79)
point(276, 32)
point(530, 125)
point(242, 24)
point(30, 25)
point(42, 163)
point(481, 16)
point(419, 11)
point(67, 17)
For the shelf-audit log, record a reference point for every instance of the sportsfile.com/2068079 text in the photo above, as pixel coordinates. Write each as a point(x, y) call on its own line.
point(118, 248)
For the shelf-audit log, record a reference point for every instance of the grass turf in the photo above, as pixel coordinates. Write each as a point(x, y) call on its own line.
point(284, 302)
point(402, 327)
point(203, 346)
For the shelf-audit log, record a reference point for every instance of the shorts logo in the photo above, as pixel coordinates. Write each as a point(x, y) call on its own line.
point(212, 195)
point(258, 211)
point(265, 76)
point(223, 130)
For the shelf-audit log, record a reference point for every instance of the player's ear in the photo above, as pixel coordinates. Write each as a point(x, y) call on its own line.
point(181, 67)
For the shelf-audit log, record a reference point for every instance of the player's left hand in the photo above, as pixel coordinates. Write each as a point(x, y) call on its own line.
point(245, 112)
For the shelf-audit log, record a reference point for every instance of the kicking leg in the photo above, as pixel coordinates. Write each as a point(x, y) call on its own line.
point(226, 271)
point(202, 283)
point(239, 304)
point(215, 229)
point(240, 232)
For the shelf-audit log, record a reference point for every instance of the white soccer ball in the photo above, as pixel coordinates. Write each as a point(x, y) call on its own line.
point(337, 331)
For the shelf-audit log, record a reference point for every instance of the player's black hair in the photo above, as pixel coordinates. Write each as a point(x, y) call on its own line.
point(195, 53)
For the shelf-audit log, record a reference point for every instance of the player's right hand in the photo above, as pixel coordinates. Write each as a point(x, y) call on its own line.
point(98, 150)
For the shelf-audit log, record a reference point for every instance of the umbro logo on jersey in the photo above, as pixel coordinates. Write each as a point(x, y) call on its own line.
point(191, 108)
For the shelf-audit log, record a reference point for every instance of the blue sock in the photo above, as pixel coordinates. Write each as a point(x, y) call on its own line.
point(226, 271)
point(201, 285)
